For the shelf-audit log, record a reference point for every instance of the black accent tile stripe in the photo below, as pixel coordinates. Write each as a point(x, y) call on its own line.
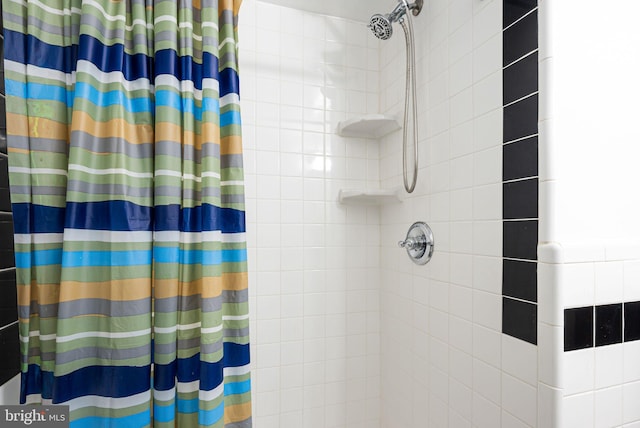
point(520, 159)
point(520, 279)
point(520, 79)
point(631, 321)
point(521, 119)
point(520, 39)
point(520, 319)
point(516, 9)
point(601, 325)
point(578, 328)
point(520, 239)
point(8, 313)
point(520, 169)
point(10, 360)
point(608, 324)
point(520, 199)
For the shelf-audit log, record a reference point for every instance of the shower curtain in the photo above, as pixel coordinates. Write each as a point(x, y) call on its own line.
point(126, 181)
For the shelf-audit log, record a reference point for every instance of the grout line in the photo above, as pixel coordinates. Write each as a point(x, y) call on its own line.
point(9, 269)
point(515, 180)
point(521, 99)
point(519, 299)
point(4, 327)
point(519, 260)
point(520, 139)
point(504, 67)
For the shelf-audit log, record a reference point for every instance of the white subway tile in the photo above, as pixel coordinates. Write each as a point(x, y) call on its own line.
point(579, 371)
point(608, 407)
point(578, 410)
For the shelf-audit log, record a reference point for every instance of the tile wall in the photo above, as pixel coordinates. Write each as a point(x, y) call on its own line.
point(445, 359)
point(589, 206)
point(313, 263)
point(520, 169)
point(594, 375)
point(9, 358)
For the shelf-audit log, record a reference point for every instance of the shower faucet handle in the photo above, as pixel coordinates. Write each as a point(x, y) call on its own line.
point(409, 244)
point(418, 243)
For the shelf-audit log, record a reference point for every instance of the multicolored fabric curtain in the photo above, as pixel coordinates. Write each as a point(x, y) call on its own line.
point(126, 177)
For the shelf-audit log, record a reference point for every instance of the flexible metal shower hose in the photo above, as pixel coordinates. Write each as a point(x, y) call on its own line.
point(410, 84)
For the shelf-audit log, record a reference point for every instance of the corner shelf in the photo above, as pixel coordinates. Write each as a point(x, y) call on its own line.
point(368, 197)
point(368, 126)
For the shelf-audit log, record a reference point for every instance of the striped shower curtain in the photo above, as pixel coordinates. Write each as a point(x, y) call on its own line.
point(126, 181)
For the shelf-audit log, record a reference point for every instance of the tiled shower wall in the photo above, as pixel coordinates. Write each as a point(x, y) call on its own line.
point(445, 359)
point(313, 263)
point(9, 357)
point(589, 254)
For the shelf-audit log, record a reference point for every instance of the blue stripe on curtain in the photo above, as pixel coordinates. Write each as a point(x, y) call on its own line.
point(124, 381)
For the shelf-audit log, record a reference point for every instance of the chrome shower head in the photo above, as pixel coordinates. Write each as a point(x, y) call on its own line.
point(381, 25)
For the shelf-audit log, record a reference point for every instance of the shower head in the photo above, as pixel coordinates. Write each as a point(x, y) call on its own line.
point(381, 25)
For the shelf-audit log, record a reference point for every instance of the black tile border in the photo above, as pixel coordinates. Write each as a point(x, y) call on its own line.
point(578, 328)
point(516, 9)
point(520, 279)
point(520, 319)
point(601, 325)
point(520, 169)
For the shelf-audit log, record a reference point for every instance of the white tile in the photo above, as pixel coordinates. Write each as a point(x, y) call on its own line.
point(631, 356)
point(487, 130)
point(631, 281)
point(461, 107)
point(608, 365)
point(461, 334)
point(520, 359)
point(487, 94)
point(550, 305)
point(462, 137)
point(462, 240)
point(609, 282)
point(461, 172)
point(487, 22)
point(487, 58)
point(549, 406)
point(460, 302)
point(578, 410)
point(461, 205)
point(487, 274)
point(461, 42)
point(579, 371)
point(608, 407)
point(486, 414)
point(486, 345)
point(487, 166)
point(487, 238)
point(578, 283)
point(630, 400)
point(461, 366)
point(550, 354)
point(487, 310)
point(519, 398)
point(487, 202)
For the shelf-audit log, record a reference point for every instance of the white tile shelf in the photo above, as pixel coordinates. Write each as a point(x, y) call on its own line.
point(368, 126)
point(368, 197)
point(372, 126)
